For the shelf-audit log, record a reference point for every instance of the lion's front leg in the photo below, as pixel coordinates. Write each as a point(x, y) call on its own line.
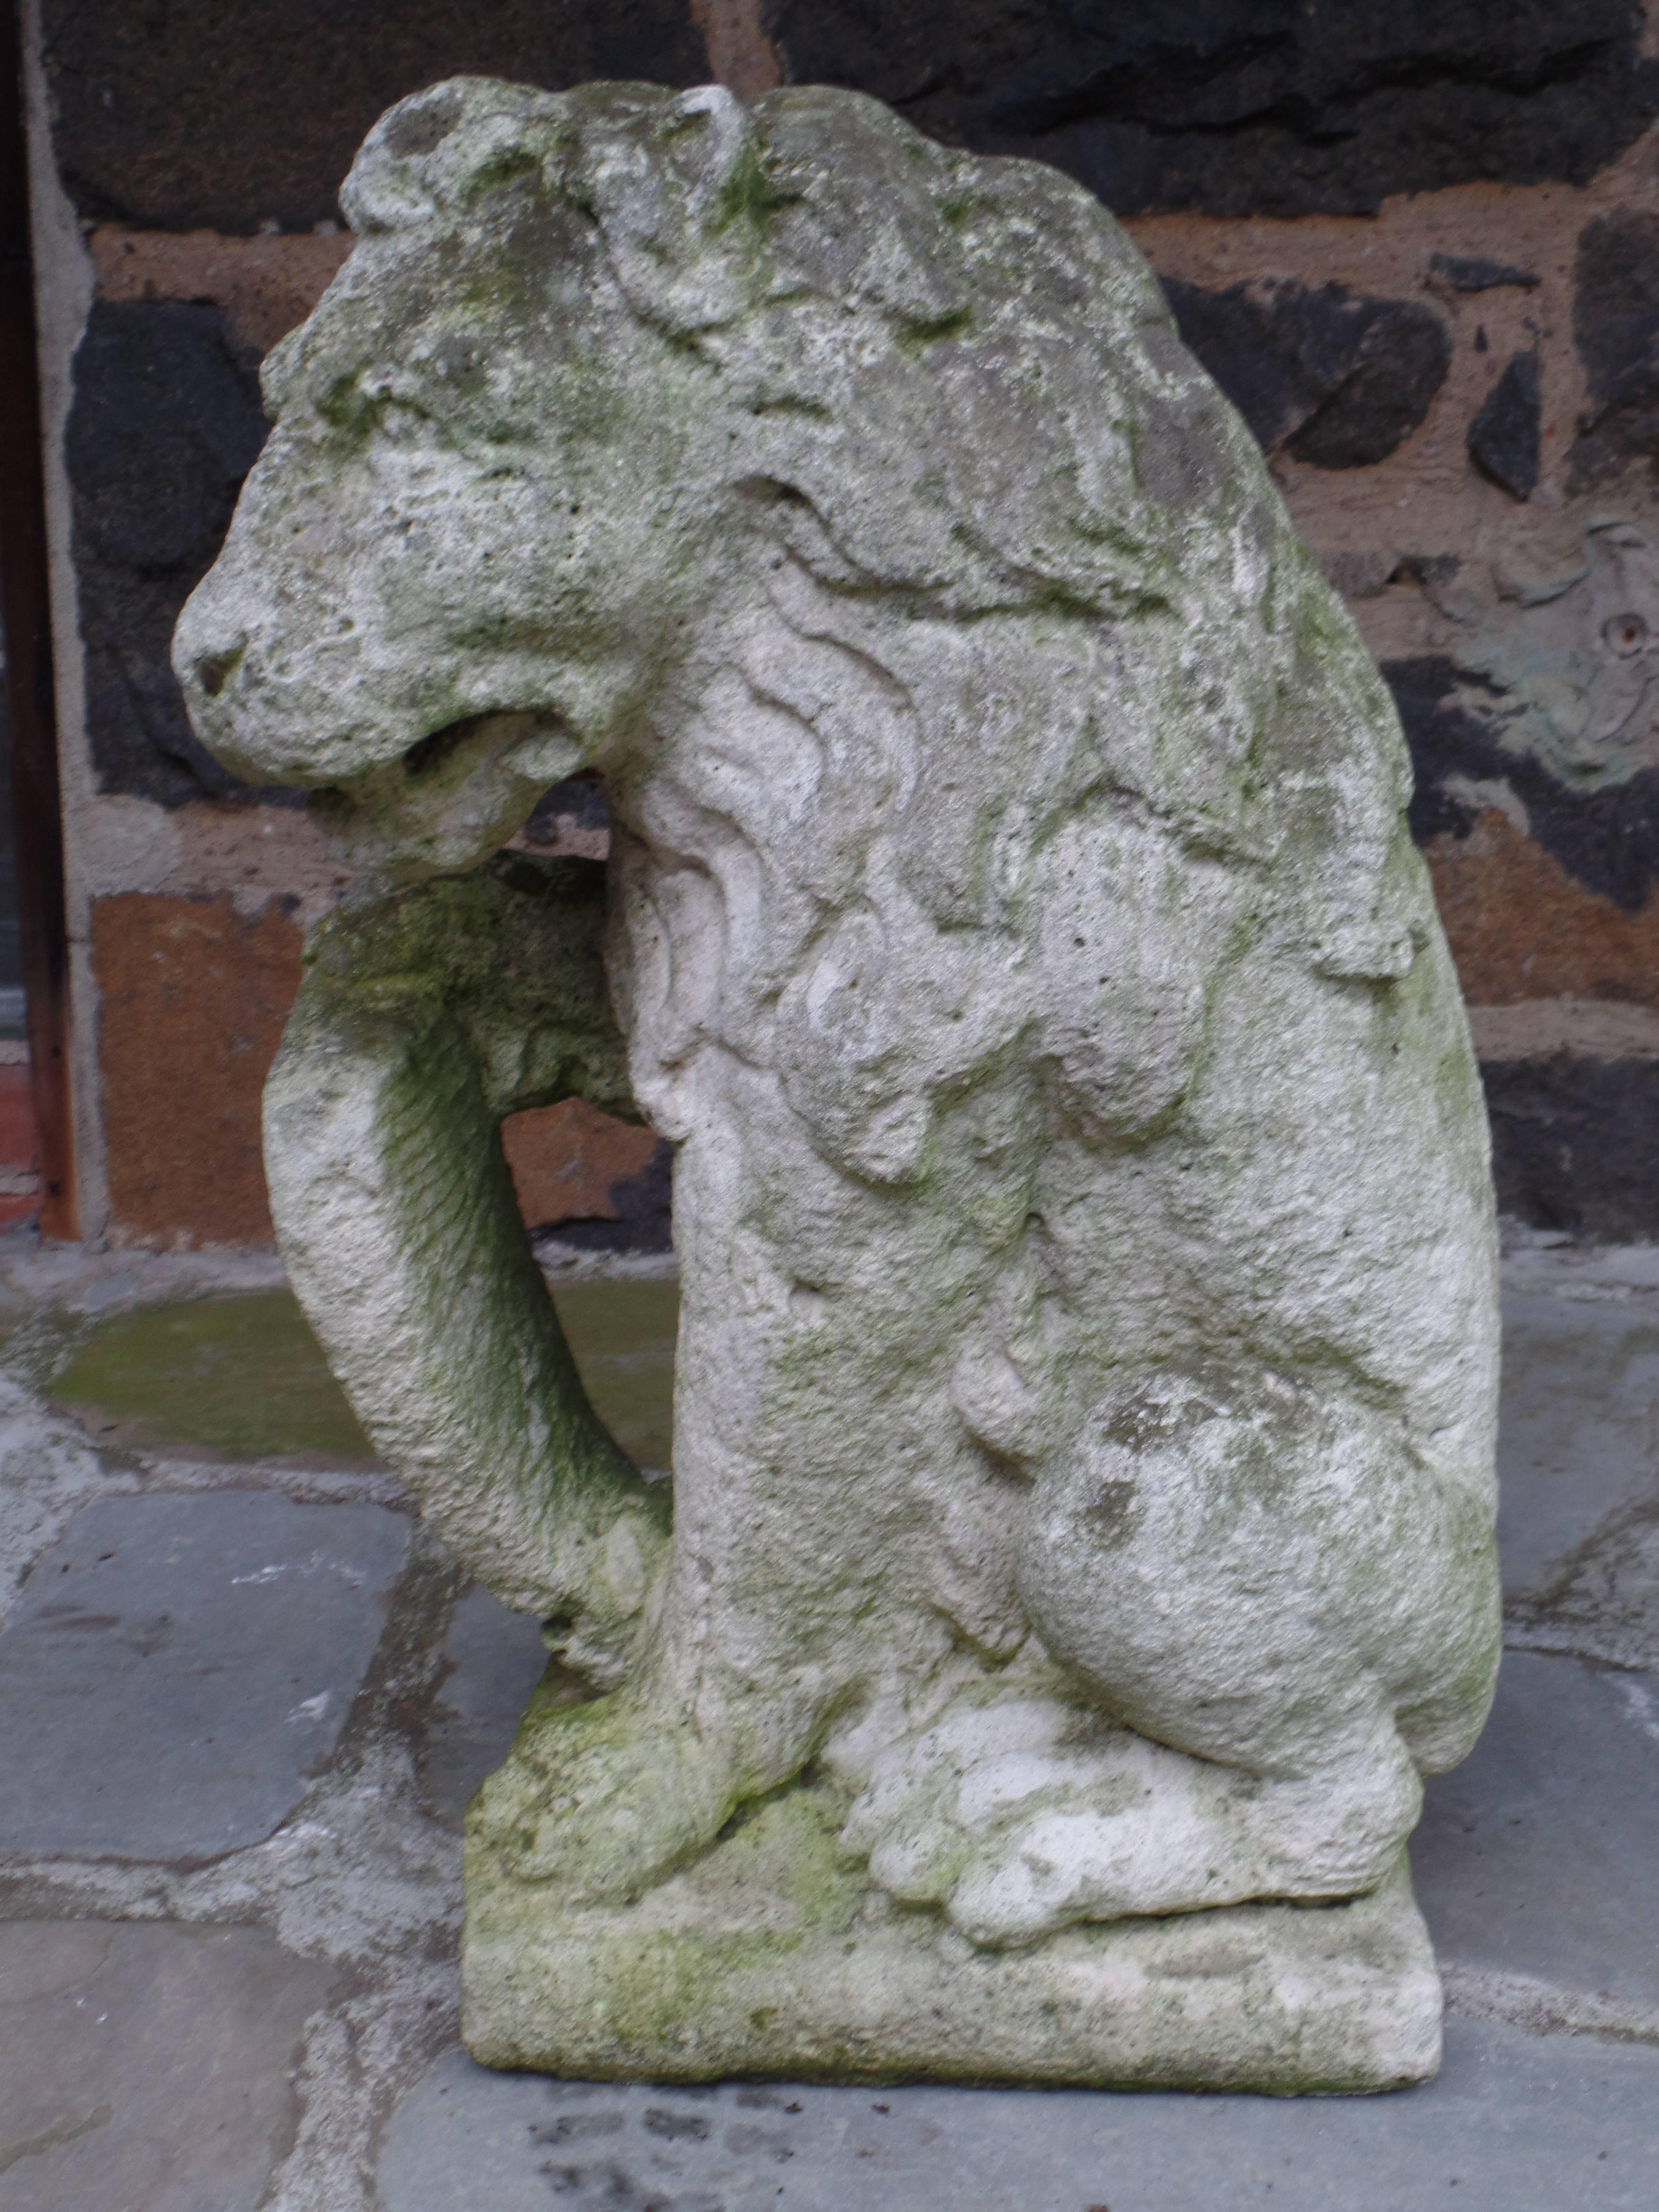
point(424, 1017)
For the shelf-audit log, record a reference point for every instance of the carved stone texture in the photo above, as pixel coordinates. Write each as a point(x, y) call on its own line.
point(1083, 1467)
point(1248, 107)
point(1340, 381)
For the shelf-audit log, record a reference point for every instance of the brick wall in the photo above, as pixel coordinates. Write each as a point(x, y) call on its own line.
point(1419, 248)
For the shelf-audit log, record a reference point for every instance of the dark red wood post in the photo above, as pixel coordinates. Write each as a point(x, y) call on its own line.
point(37, 810)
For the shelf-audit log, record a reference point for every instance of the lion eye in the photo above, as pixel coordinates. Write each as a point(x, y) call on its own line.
point(1624, 634)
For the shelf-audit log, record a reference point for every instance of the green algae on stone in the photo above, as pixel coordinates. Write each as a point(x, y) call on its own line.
point(620, 1335)
point(770, 1956)
point(243, 1375)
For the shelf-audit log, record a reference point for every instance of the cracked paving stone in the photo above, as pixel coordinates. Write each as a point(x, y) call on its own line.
point(145, 2068)
point(177, 1668)
point(1537, 1856)
point(1516, 2123)
point(496, 1658)
point(1578, 1435)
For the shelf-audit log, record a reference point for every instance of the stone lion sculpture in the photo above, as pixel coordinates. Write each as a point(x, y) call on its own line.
point(1082, 1502)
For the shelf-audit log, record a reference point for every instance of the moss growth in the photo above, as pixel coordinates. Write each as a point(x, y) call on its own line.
point(243, 1375)
point(752, 191)
point(240, 1375)
point(915, 333)
point(622, 1338)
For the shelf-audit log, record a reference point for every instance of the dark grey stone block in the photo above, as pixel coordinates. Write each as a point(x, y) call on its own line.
point(1536, 1856)
point(1576, 1141)
point(1576, 1430)
point(178, 1666)
point(1512, 2124)
point(1339, 381)
point(1246, 106)
point(496, 1658)
point(145, 2068)
point(1615, 326)
point(196, 114)
point(1503, 437)
point(166, 422)
point(1463, 273)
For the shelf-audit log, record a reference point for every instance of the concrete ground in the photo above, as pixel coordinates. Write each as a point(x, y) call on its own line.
point(245, 1696)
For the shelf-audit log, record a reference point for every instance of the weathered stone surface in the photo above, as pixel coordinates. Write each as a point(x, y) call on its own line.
point(166, 422)
point(772, 1956)
point(1081, 1483)
point(1535, 1858)
point(141, 137)
point(176, 1668)
point(1503, 437)
point(1514, 2123)
point(146, 2067)
point(1339, 381)
point(192, 997)
point(1245, 106)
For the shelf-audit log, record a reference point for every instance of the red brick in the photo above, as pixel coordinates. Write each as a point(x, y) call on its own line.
point(564, 1159)
point(19, 1138)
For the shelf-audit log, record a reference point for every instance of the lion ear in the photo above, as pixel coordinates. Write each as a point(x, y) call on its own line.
point(662, 186)
point(444, 147)
point(388, 188)
point(710, 140)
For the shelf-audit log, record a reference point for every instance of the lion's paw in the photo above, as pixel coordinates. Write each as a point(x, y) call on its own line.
point(1022, 1818)
point(602, 1800)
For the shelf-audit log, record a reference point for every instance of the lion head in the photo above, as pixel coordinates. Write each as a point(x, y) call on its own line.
point(603, 360)
point(853, 506)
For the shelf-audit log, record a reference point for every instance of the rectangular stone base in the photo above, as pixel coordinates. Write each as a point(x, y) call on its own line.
point(767, 1958)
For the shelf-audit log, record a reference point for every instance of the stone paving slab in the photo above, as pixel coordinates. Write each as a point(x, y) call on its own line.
point(1514, 2123)
point(1578, 1435)
point(1539, 1855)
point(176, 1668)
point(496, 1658)
point(145, 2068)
